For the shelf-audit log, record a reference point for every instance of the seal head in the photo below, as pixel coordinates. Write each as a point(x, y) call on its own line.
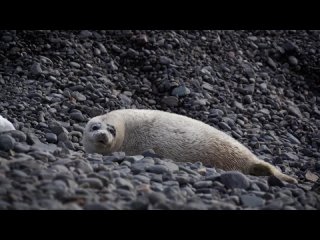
point(99, 137)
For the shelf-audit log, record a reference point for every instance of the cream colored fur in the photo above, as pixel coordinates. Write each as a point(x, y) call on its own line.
point(177, 137)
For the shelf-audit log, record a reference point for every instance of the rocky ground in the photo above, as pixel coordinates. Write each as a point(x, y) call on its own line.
point(261, 87)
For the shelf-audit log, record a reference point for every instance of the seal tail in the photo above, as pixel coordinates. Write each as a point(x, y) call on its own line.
point(262, 168)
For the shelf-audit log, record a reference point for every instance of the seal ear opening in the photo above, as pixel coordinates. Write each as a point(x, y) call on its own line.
point(259, 169)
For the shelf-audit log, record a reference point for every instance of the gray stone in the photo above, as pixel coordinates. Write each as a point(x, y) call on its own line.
point(294, 110)
point(84, 166)
point(207, 86)
point(172, 167)
point(234, 179)
point(158, 169)
point(165, 60)
point(18, 135)
point(264, 111)
point(142, 178)
point(79, 96)
point(171, 101)
point(6, 142)
point(275, 204)
point(123, 183)
point(202, 184)
point(195, 205)
point(51, 137)
point(247, 99)
point(139, 167)
point(238, 105)
point(156, 197)
point(133, 159)
point(293, 60)
point(216, 112)
point(224, 126)
point(221, 205)
point(85, 34)
point(180, 91)
point(291, 156)
point(77, 116)
point(274, 181)
point(92, 182)
point(250, 200)
point(271, 63)
point(57, 128)
point(21, 148)
point(74, 64)
point(189, 171)
point(293, 139)
point(36, 69)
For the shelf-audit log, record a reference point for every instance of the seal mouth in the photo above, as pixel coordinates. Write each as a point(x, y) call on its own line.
point(101, 138)
point(102, 141)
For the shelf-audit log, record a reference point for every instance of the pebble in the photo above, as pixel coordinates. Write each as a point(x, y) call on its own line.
point(271, 63)
point(92, 183)
point(165, 60)
point(77, 116)
point(180, 91)
point(51, 138)
point(171, 101)
point(75, 65)
point(247, 99)
point(293, 60)
point(158, 169)
point(274, 181)
point(36, 69)
point(6, 142)
point(249, 200)
point(234, 179)
point(123, 183)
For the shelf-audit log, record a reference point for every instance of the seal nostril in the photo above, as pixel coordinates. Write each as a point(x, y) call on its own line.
point(102, 138)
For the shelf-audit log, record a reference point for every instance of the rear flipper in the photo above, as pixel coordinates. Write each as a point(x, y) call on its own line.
point(266, 169)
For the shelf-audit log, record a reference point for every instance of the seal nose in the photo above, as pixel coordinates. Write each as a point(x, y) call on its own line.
point(102, 138)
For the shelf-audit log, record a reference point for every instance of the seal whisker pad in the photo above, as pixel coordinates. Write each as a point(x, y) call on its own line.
point(135, 130)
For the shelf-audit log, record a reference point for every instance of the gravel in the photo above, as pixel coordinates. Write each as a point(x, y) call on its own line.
point(261, 87)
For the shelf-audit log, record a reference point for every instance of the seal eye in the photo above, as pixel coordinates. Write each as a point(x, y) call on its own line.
point(95, 127)
point(112, 130)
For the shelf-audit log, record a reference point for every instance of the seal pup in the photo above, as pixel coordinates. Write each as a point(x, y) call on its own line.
point(173, 136)
point(5, 125)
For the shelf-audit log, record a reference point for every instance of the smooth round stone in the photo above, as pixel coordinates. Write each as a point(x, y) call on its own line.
point(51, 137)
point(77, 116)
point(6, 142)
point(74, 64)
point(293, 60)
point(234, 179)
point(21, 148)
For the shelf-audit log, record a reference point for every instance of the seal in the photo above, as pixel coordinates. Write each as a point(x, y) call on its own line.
point(173, 136)
point(5, 125)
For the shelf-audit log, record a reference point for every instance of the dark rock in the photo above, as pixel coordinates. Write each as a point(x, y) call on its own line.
point(77, 116)
point(250, 200)
point(6, 142)
point(274, 181)
point(51, 137)
point(234, 179)
point(180, 91)
point(171, 101)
